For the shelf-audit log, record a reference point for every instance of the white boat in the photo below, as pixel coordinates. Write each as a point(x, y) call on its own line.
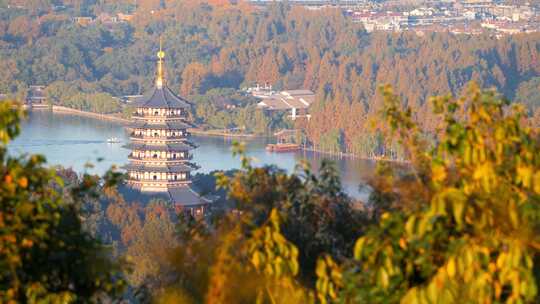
point(113, 140)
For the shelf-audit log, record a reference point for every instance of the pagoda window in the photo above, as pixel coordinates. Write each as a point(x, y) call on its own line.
point(155, 155)
point(175, 177)
point(174, 156)
point(155, 177)
point(173, 134)
point(156, 113)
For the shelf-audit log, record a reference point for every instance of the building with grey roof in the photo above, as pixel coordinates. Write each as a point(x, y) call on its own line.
point(295, 101)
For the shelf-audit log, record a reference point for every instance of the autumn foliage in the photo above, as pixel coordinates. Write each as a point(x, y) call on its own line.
point(469, 235)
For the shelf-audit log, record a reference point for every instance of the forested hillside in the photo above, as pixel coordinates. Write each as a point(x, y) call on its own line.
point(218, 45)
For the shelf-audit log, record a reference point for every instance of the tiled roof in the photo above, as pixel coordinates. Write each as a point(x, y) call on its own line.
point(297, 92)
point(185, 196)
point(180, 195)
point(162, 98)
point(274, 104)
point(299, 99)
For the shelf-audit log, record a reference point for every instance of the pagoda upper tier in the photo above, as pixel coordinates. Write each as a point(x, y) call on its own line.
point(162, 98)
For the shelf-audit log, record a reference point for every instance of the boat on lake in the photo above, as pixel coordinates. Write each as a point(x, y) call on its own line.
point(282, 147)
point(113, 140)
point(287, 141)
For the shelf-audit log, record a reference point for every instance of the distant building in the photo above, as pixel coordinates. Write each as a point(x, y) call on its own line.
point(130, 98)
point(261, 91)
point(36, 95)
point(380, 21)
point(160, 148)
point(295, 101)
point(124, 17)
point(83, 20)
point(505, 27)
point(106, 18)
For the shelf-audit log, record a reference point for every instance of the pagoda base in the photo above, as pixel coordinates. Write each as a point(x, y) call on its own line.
point(183, 197)
point(157, 186)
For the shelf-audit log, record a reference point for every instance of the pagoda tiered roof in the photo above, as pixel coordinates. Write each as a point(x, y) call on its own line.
point(150, 170)
point(184, 146)
point(184, 167)
point(186, 196)
point(183, 196)
point(166, 125)
point(161, 98)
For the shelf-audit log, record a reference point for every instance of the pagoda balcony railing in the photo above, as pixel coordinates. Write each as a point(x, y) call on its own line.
point(159, 116)
point(153, 159)
point(178, 136)
point(159, 181)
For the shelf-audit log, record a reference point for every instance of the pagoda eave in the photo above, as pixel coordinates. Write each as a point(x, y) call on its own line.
point(160, 148)
point(180, 168)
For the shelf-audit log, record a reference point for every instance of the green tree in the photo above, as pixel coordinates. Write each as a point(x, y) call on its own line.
point(45, 255)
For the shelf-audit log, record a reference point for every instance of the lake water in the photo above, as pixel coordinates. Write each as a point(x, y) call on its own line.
point(73, 141)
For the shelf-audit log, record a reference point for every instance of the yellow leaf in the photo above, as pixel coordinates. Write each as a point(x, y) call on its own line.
point(438, 173)
point(451, 267)
point(255, 259)
point(524, 175)
point(383, 277)
point(358, 248)
point(410, 225)
point(320, 270)
point(402, 243)
point(536, 182)
point(432, 292)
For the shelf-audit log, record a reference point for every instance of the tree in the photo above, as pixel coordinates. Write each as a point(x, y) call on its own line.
point(529, 93)
point(469, 230)
point(460, 223)
point(313, 211)
point(193, 79)
point(45, 255)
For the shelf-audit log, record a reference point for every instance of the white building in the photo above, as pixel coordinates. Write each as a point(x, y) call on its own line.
point(295, 101)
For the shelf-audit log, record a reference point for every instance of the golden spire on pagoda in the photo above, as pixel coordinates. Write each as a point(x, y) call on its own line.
point(160, 79)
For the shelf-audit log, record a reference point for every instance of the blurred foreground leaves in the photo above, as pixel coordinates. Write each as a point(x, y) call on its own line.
point(45, 256)
point(460, 222)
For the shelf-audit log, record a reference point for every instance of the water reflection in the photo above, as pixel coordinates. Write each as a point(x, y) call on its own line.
point(73, 141)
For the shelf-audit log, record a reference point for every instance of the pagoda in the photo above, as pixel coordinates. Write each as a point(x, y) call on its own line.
point(159, 163)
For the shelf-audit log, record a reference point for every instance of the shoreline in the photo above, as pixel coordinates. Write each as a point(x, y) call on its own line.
point(218, 133)
point(209, 133)
point(66, 110)
point(353, 156)
point(111, 117)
